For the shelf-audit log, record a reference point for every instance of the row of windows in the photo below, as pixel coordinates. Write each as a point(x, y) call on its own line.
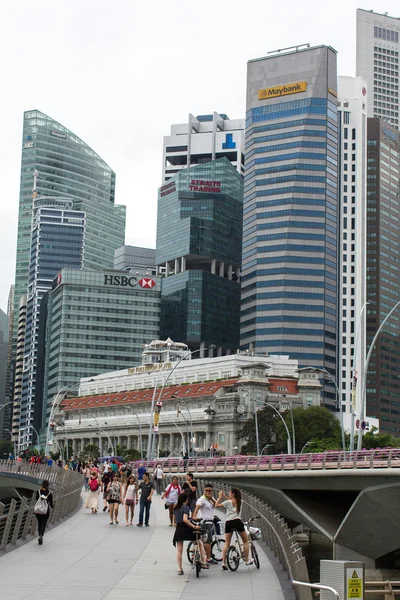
point(292, 156)
point(287, 146)
point(288, 271)
point(386, 34)
point(315, 308)
point(289, 247)
point(286, 213)
point(285, 135)
point(291, 167)
point(286, 294)
point(285, 125)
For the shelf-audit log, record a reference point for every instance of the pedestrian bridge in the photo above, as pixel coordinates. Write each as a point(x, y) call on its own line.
point(353, 498)
point(85, 558)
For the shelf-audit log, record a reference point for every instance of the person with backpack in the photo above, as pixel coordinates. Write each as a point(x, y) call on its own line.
point(92, 500)
point(44, 501)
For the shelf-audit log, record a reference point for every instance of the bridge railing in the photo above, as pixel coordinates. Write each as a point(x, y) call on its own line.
point(17, 518)
point(386, 458)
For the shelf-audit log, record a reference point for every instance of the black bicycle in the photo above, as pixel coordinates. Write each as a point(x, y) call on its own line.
point(216, 547)
point(235, 554)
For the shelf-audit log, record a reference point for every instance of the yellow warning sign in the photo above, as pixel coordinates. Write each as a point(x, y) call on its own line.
point(354, 586)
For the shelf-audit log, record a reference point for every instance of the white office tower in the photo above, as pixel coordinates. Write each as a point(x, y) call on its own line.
point(201, 139)
point(352, 107)
point(378, 46)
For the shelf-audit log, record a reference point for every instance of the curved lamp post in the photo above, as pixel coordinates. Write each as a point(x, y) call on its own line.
point(365, 372)
point(289, 443)
point(58, 398)
point(178, 362)
point(140, 429)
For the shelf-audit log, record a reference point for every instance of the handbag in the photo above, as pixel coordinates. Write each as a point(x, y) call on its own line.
point(129, 502)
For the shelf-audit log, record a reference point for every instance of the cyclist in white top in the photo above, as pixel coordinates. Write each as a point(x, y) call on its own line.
point(233, 522)
point(205, 509)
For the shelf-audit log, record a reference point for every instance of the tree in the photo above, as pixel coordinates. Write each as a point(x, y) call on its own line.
point(5, 448)
point(315, 424)
point(90, 451)
point(373, 439)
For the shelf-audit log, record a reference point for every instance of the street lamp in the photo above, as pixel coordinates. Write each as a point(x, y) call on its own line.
point(255, 417)
point(289, 443)
point(263, 448)
point(140, 429)
point(58, 398)
point(354, 367)
point(105, 433)
point(339, 400)
point(310, 443)
point(365, 372)
point(180, 399)
point(178, 362)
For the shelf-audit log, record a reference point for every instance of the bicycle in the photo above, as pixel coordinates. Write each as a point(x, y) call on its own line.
point(196, 561)
point(216, 546)
point(235, 554)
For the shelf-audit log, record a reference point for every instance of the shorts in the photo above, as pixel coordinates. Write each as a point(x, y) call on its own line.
point(113, 501)
point(234, 525)
point(207, 528)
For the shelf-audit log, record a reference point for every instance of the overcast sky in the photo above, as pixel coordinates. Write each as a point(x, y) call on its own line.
point(119, 73)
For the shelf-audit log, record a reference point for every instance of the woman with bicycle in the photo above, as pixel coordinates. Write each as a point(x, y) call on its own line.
point(233, 508)
point(185, 531)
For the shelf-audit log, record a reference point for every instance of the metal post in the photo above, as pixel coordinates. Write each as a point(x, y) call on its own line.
point(293, 433)
point(289, 443)
point(365, 373)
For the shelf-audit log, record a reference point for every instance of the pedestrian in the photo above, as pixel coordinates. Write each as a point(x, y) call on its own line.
point(130, 499)
point(92, 500)
point(146, 488)
point(114, 466)
point(205, 509)
point(190, 487)
point(185, 531)
point(171, 495)
point(233, 522)
point(140, 472)
point(44, 501)
point(86, 475)
point(106, 478)
point(114, 498)
point(158, 478)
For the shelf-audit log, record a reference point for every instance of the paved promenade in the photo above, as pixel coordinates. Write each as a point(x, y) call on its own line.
point(85, 558)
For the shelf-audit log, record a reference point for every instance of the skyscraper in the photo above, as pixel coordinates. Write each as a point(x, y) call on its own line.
point(57, 241)
point(201, 139)
point(383, 268)
point(377, 61)
point(4, 327)
point(136, 259)
point(199, 242)
point(67, 167)
point(7, 411)
point(289, 268)
point(353, 105)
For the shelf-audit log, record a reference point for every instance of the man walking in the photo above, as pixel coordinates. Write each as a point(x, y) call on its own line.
point(159, 476)
point(146, 492)
point(190, 487)
point(140, 472)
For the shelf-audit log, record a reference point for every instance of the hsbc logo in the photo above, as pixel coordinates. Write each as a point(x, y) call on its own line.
point(120, 280)
point(147, 282)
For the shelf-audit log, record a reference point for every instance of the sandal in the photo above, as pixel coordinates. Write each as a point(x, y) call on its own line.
point(250, 562)
point(224, 567)
point(180, 572)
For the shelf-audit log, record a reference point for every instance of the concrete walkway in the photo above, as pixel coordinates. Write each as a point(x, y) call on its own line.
point(85, 558)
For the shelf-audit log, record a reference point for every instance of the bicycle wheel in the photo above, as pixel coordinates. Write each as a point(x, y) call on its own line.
point(254, 554)
point(233, 558)
point(190, 551)
point(198, 568)
point(216, 549)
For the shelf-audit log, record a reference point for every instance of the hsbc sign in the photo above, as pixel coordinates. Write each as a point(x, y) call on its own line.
point(128, 281)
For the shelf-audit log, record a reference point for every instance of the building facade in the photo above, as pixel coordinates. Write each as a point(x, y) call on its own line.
point(383, 265)
point(353, 106)
point(135, 259)
point(7, 412)
point(201, 139)
point(97, 320)
point(57, 241)
point(66, 167)
point(199, 244)
point(290, 228)
point(19, 370)
point(4, 327)
point(211, 413)
point(377, 61)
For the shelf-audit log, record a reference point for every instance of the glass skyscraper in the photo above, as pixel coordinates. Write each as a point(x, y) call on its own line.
point(57, 240)
point(66, 167)
point(199, 241)
point(290, 229)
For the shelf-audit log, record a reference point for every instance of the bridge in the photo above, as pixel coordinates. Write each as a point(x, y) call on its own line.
point(352, 498)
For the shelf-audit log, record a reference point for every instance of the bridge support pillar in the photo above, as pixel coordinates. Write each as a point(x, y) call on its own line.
point(343, 553)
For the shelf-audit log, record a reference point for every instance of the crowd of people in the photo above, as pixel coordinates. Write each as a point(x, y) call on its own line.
point(121, 484)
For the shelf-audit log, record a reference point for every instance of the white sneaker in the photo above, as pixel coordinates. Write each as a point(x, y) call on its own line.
point(250, 562)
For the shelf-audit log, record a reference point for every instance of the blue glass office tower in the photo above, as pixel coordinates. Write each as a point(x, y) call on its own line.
point(199, 241)
point(57, 240)
point(289, 268)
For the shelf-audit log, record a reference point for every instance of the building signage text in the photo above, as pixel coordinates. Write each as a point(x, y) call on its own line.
point(200, 185)
point(146, 368)
point(58, 134)
point(392, 135)
point(29, 145)
point(120, 280)
point(282, 90)
point(167, 189)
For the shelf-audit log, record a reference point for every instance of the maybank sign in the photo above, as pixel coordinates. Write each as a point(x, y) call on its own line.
point(282, 90)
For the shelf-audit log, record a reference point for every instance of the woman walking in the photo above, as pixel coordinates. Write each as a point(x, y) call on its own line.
point(114, 498)
point(185, 531)
point(44, 500)
point(130, 499)
point(92, 500)
point(171, 495)
point(86, 475)
point(233, 507)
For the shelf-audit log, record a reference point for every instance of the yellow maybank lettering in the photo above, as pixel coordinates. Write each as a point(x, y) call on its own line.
point(282, 90)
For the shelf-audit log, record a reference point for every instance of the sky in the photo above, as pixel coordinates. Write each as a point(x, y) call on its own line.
point(119, 73)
